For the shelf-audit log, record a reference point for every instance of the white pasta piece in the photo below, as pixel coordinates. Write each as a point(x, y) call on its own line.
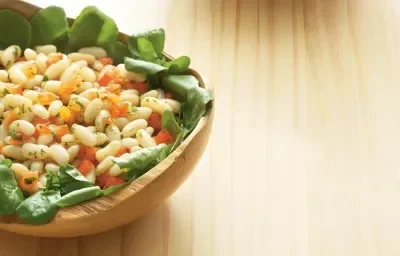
point(104, 165)
point(22, 126)
point(99, 121)
point(70, 73)
point(40, 111)
point(35, 152)
point(111, 149)
point(175, 105)
point(28, 116)
point(134, 99)
point(87, 92)
point(151, 93)
point(30, 54)
point(10, 54)
point(113, 133)
point(36, 166)
point(1, 109)
point(131, 76)
point(82, 56)
point(55, 70)
point(155, 104)
point(30, 94)
point(92, 129)
point(52, 168)
point(97, 65)
point(80, 100)
point(139, 113)
point(45, 139)
point(46, 49)
point(16, 74)
point(13, 152)
point(130, 91)
point(135, 148)
point(68, 140)
point(144, 138)
point(131, 128)
point(80, 63)
point(101, 138)
point(120, 122)
point(3, 132)
point(34, 81)
point(52, 86)
point(161, 93)
point(19, 169)
point(43, 180)
point(150, 130)
point(129, 142)
point(73, 152)
point(84, 86)
point(91, 176)
point(54, 107)
point(87, 74)
point(59, 154)
point(9, 140)
point(115, 170)
point(84, 135)
point(41, 63)
point(92, 111)
point(97, 52)
point(3, 76)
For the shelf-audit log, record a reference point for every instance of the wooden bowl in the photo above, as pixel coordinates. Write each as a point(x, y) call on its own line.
point(133, 201)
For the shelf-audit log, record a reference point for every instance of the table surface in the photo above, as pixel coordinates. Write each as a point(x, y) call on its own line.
point(304, 155)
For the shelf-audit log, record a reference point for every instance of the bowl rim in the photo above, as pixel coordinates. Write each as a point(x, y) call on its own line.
point(80, 211)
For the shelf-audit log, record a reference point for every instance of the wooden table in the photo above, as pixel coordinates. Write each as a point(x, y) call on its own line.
point(304, 159)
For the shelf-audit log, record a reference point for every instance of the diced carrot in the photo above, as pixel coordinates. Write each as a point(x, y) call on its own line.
point(53, 59)
point(122, 151)
point(155, 121)
point(115, 88)
point(113, 181)
point(61, 131)
point(67, 114)
point(53, 120)
point(91, 155)
point(106, 60)
point(119, 110)
point(28, 181)
point(141, 87)
point(92, 95)
point(45, 98)
point(30, 72)
point(85, 167)
point(43, 129)
point(14, 115)
point(15, 89)
point(108, 77)
point(70, 86)
point(82, 151)
point(109, 97)
point(164, 137)
point(108, 120)
point(168, 95)
point(38, 120)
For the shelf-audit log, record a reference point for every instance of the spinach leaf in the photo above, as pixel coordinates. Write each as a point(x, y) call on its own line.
point(75, 185)
point(178, 141)
point(168, 122)
point(68, 173)
point(53, 182)
point(79, 196)
point(10, 194)
point(141, 161)
point(156, 38)
point(93, 28)
point(39, 208)
point(186, 88)
point(121, 51)
point(143, 67)
point(15, 29)
point(165, 152)
point(178, 65)
point(6, 162)
point(146, 50)
point(50, 26)
point(115, 188)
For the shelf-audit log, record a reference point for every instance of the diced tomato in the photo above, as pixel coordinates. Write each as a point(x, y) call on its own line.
point(53, 120)
point(119, 110)
point(122, 151)
point(28, 181)
point(61, 131)
point(140, 87)
point(38, 120)
point(70, 86)
point(164, 137)
point(14, 115)
point(91, 155)
point(155, 121)
point(113, 181)
point(45, 98)
point(85, 167)
point(82, 151)
point(168, 95)
point(102, 179)
point(53, 59)
point(43, 129)
point(36, 134)
point(108, 77)
point(106, 60)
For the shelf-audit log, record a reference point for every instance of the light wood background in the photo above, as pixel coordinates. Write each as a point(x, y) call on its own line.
point(304, 158)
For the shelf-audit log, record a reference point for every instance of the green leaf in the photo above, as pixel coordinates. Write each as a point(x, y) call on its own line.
point(93, 28)
point(10, 194)
point(178, 65)
point(143, 67)
point(15, 29)
point(75, 185)
point(39, 208)
point(6, 162)
point(50, 26)
point(53, 182)
point(68, 173)
point(115, 188)
point(146, 50)
point(169, 123)
point(186, 88)
point(155, 36)
point(140, 162)
point(79, 196)
point(121, 51)
point(177, 142)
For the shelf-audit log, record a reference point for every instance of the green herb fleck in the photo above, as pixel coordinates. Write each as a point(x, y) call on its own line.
point(45, 78)
point(30, 180)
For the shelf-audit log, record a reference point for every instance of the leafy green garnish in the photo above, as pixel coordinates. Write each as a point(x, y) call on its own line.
point(168, 122)
point(39, 208)
point(50, 26)
point(6, 162)
point(179, 65)
point(121, 51)
point(93, 28)
point(68, 173)
point(156, 37)
point(143, 67)
point(14, 135)
point(15, 29)
point(79, 196)
point(146, 50)
point(75, 185)
point(10, 194)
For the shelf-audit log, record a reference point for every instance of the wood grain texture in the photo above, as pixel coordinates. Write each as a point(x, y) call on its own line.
point(304, 155)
